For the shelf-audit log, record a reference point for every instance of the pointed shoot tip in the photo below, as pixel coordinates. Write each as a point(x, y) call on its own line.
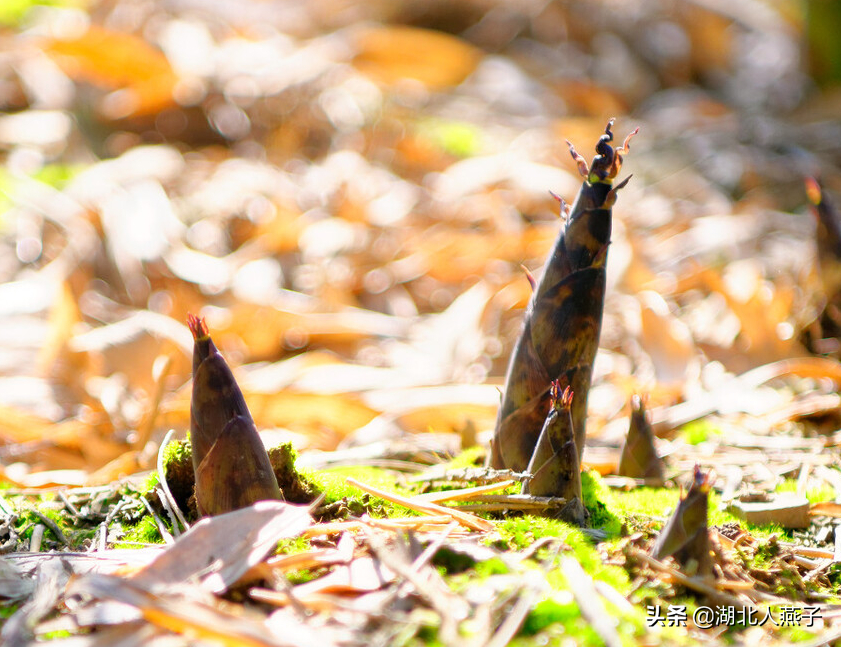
point(530, 277)
point(583, 168)
point(813, 190)
point(197, 326)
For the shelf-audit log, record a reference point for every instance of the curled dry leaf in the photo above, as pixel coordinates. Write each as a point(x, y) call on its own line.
point(231, 464)
point(563, 321)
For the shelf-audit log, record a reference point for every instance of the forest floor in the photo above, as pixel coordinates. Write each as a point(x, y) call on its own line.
point(349, 194)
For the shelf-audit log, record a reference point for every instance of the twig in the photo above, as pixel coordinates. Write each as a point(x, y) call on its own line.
point(690, 582)
point(514, 619)
point(165, 503)
point(462, 494)
point(67, 504)
point(398, 524)
point(53, 526)
point(537, 545)
point(103, 527)
point(525, 502)
point(167, 537)
point(428, 585)
point(432, 548)
point(465, 518)
point(35, 539)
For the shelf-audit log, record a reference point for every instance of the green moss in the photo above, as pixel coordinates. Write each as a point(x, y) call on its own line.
point(152, 481)
point(469, 458)
point(595, 495)
point(8, 608)
point(457, 138)
point(293, 546)
point(144, 531)
point(517, 533)
point(295, 486)
point(333, 483)
point(699, 431)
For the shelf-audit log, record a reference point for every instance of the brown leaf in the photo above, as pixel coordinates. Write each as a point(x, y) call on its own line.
point(436, 59)
point(141, 72)
point(219, 550)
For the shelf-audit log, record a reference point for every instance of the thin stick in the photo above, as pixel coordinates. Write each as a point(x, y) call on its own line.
point(165, 502)
point(167, 537)
point(464, 518)
point(53, 526)
point(433, 547)
point(461, 494)
point(67, 504)
point(469, 475)
point(691, 582)
point(396, 524)
point(513, 620)
point(35, 539)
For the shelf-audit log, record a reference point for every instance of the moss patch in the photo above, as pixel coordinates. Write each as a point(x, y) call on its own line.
point(180, 477)
point(295, 486)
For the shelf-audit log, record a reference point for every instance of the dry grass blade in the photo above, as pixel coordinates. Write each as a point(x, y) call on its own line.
point(514, 619)
point(397, 524)
point(698, 584)
point(523, 502)
point(588, 600)
point(461, 494)
point(50, 579)
point(193, 619)
point(464, 518)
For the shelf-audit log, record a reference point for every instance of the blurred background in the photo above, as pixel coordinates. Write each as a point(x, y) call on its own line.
point(347, 192)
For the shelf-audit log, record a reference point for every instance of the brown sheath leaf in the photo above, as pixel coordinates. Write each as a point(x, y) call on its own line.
point(685, 536)
point(236, 472)
point(554, 464)
point(639, 456)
